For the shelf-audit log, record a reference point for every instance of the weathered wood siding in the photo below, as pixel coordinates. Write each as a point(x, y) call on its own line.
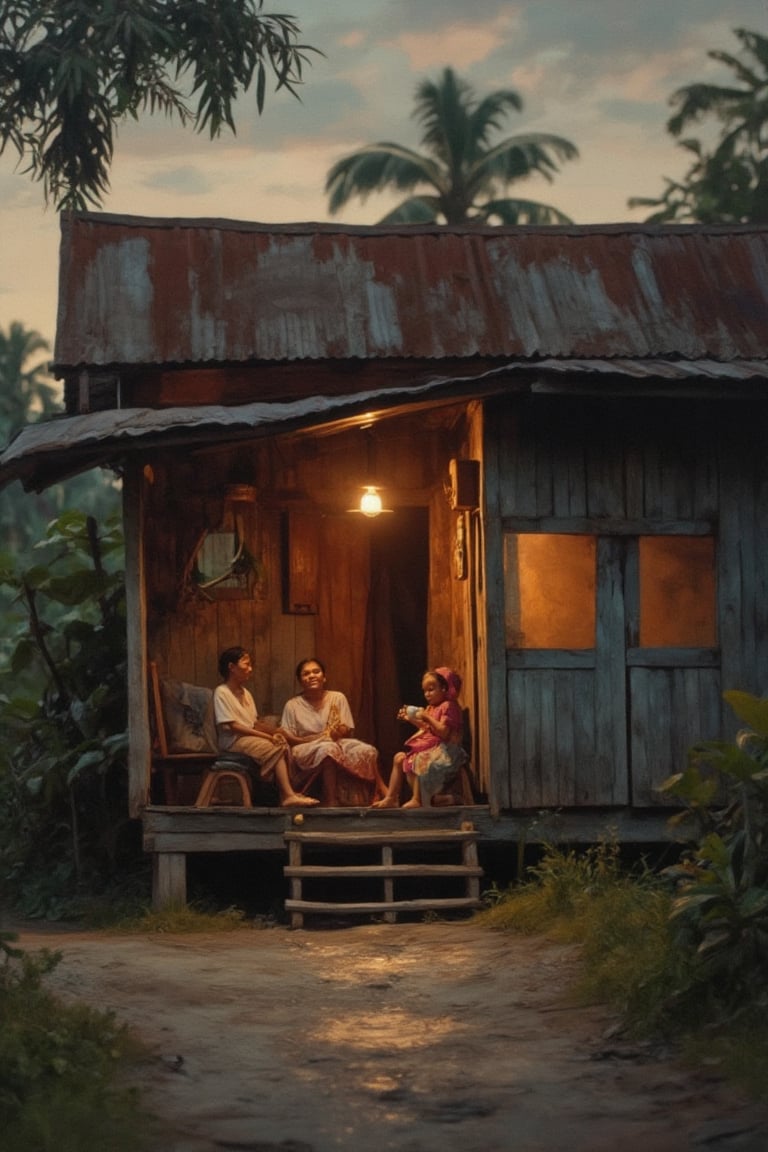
point(606, 726)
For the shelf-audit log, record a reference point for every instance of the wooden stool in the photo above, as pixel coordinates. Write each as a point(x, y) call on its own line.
point(458, 792)
point(216, 776)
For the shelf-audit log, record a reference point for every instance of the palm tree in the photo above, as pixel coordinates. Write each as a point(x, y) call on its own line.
point(466, 174)
point(28, 394)
point(25, 393)
point(743, 111)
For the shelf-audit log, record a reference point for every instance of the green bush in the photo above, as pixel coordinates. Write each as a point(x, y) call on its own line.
point(61, 1068)
point(720, 914)
point(64, 827)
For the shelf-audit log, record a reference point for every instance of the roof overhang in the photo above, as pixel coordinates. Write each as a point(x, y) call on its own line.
point(48, 452)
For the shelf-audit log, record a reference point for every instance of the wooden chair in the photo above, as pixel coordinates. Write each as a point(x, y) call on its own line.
point(217, 767)
point(171, 764)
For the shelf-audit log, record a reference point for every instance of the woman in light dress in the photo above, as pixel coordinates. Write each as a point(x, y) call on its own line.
point(319, 728)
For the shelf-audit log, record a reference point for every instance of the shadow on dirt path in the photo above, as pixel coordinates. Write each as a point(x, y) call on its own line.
point(428, 1037)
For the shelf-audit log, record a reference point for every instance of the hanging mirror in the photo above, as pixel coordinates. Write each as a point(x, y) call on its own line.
point(221, 561)
point(223, 566)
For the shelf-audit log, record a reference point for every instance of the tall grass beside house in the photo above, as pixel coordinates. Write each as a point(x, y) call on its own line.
point(678, 953)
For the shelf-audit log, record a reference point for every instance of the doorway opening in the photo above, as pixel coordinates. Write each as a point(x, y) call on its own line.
point(397, 623)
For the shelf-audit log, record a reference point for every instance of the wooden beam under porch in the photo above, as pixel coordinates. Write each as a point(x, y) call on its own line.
point(170, 834)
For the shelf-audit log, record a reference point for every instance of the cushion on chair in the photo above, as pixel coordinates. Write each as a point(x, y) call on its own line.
point(189, 722)
point(232, 762)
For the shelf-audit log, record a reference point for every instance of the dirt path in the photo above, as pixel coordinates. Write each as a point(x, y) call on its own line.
point(416, 1037)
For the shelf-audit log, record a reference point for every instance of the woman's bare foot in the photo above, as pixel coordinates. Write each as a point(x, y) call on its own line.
point(297, 801)
point(385, 802)
point(412, 803)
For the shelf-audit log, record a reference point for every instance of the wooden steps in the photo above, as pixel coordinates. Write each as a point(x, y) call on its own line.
point(385, 844)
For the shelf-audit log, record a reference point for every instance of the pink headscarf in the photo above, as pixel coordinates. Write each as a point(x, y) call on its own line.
point(452, 679)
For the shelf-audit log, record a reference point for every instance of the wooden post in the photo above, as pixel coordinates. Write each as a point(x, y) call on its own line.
point(470, 860)
point(389, 883)
point(139, 742)
point(294, 859)
point(169, 879)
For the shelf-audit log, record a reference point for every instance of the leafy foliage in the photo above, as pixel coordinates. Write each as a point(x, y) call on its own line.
point(465, 172)
point(59, 1067)
point(72, 70)
point(727, 184)
point(63, 780)
point(721, 910)
point(28, 393)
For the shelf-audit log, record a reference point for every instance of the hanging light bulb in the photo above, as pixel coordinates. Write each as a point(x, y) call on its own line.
point(371, 504)
point(370, 501)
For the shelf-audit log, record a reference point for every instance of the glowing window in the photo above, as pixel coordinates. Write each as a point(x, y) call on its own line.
point(677, 592)
point(549, 591)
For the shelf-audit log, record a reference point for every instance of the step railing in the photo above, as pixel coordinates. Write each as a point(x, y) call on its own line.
point(387, 869)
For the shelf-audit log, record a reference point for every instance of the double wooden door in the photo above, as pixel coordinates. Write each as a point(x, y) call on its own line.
point(613, 668)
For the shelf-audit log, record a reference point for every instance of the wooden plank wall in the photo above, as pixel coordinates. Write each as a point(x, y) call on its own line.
point(623, 460)
point(692, 696)
point(624, 468)
point(743, 555)
point(183, 496)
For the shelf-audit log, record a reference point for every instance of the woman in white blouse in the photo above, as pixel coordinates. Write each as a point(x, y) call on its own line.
point(239, 729)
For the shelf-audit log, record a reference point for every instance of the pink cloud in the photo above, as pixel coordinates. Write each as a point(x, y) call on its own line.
point(460, 44)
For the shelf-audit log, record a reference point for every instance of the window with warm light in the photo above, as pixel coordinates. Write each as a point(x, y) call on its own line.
point(549, 590)
point(677, 592)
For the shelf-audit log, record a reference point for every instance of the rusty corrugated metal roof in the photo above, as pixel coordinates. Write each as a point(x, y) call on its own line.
point(157, 292)
point(52, 449)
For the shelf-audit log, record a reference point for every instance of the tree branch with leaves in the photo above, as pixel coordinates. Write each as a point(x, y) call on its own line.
point(726, 183)
point(72, 70)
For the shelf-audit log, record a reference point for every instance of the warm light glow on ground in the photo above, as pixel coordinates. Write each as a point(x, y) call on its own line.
point(387, 1029)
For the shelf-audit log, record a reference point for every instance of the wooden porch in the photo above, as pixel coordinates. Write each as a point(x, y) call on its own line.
point(172, 833)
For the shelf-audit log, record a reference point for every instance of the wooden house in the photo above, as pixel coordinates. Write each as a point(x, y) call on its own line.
point(567, 426)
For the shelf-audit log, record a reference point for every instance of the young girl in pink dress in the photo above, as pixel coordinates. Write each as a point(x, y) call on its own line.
point(433, 755)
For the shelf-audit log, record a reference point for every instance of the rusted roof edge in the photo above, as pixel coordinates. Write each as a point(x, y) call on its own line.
point(330, 228)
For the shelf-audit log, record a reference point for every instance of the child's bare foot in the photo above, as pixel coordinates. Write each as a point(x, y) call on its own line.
point(412, 803)
point(385, 802)
point(297, 801)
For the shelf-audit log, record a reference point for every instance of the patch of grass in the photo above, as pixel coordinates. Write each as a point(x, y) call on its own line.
point(632, 960)
point(63, 1068)
point(187, 918)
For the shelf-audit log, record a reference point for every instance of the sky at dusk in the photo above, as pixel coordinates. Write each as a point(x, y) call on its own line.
point(599, 72)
